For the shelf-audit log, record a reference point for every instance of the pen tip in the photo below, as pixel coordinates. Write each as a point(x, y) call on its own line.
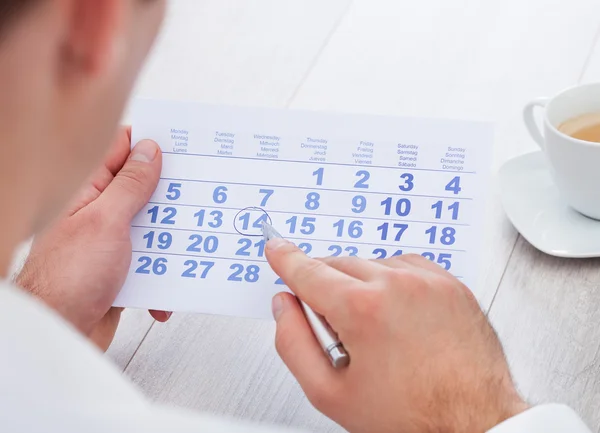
point(269, 232)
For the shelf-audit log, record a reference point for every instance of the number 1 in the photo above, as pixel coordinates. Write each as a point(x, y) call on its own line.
point(319, 173)
point(437, 207)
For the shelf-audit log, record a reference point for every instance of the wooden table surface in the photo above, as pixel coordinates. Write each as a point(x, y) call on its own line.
point(464, 59)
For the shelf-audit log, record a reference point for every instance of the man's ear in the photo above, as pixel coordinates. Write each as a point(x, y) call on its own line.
point(95, 35)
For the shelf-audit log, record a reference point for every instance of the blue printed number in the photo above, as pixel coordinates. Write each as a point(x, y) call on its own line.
point(164, 240)
point(402, 206)
point(268, 193)
point(336, 250)
point(257, 224)
point(174, 191)
point(249, 274)
point(217, 218)
point(383, 228)
point(443, 259)
point(220, 194)
point(381, 253)
point(355, 230)
point(158, 267)
point(305, 247)
point(448, 236)
point(437, 207)
point(359, 204)
point(319, 174)
point(352, 251)
point(364, 176)
point(246, 244)
point(192, 265)
point(307, 226)
point(312, 201)
point(408, 184)
point(169, 218)
point(454, 185)
point(209, 245)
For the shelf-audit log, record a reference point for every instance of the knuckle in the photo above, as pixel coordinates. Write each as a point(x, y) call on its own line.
point(98, 219)
point(330, 261)
point(414, 257)
point(133, 180)
point(365, 304)
point(399, 261)
point(400, 277)
point(406, 283)
point(308, 270)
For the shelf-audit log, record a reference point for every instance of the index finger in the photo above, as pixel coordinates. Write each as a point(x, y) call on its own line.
point(316, 283)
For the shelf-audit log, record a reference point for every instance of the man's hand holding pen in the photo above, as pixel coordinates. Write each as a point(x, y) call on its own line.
point(405, 322)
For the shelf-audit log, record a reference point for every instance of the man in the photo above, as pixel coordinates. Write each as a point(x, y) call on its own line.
point(424, 358)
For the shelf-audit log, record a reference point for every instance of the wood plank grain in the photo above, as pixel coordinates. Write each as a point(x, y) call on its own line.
point(225, 366)
point(237, 52)
point(547, 314)
point(469, 59)
point(133, 327)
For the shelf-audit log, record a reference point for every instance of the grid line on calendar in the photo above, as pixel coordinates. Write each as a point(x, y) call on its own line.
point(309, 213)
point(162, 253)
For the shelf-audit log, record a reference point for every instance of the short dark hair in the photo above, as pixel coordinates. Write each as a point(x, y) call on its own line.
point(10, 9)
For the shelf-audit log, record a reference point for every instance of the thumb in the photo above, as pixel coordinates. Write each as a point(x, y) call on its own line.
point(134, 184)
point(300, 351)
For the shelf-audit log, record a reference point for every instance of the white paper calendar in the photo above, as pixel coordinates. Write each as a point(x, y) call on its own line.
point(334, 184)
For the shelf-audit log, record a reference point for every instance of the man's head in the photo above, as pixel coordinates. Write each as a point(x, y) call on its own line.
point(66, 70)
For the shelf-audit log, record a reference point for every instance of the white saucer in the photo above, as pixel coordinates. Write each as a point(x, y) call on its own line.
point(533, 204)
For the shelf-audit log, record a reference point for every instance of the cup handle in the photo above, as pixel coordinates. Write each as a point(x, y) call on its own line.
point(530, 123)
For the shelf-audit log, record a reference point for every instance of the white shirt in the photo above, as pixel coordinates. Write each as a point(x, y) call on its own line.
point(53, 380)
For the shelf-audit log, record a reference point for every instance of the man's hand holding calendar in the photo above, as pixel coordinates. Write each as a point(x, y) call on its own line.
point(423, 355)
point(79, 265)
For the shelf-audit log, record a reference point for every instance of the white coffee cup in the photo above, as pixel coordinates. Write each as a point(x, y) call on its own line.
point(575, 164)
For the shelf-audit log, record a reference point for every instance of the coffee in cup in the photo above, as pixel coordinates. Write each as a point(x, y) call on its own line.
point(585, 127)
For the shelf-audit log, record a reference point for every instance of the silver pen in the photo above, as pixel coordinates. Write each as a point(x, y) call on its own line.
point(326, 336)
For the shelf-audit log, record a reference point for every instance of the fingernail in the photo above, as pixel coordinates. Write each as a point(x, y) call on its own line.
point(275, 243)
point(144, 151)
point(277, 306)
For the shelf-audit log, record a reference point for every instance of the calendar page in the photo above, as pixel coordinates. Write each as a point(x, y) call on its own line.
point(334, 184)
